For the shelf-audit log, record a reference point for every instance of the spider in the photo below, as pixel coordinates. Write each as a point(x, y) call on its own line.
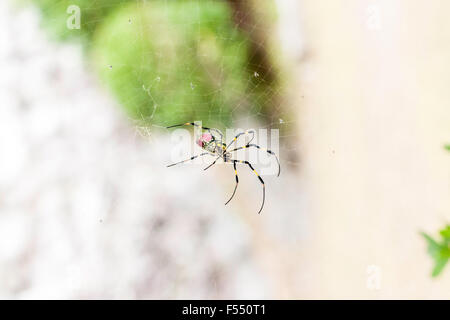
point(212, 142)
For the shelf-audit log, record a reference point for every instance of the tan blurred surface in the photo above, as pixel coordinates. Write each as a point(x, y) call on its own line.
point(373, 122)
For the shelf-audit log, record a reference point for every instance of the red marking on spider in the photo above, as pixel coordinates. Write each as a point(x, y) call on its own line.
point(204, 139)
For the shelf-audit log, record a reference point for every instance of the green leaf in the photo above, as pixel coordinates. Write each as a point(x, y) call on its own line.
point(440, 252)
point(438, 267)
point(433, 246)
point(445, 233)
point(447, 147)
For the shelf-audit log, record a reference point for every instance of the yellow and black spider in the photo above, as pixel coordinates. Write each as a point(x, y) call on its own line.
point(214, 145)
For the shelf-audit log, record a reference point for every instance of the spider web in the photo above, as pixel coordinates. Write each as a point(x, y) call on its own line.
point(265, 103)
point(269, 108)
point(258, 100)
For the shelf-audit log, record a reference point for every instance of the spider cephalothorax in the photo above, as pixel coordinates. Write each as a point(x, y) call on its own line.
point(212, 142)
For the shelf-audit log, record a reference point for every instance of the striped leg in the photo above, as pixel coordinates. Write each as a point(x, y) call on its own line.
point(198, 126)
point(263, 149)
point(234, 140)
point(260, 179)
point(240, 134)
point(191, 158)
point(237, 181)
point(213, 163)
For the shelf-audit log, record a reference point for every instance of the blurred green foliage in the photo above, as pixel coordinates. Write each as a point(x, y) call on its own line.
point(166, 61)
point(187, 59)
point(92, 14)
point(439, 250)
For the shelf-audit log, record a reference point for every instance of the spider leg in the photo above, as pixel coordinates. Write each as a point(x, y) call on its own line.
point(263, 149)
point(260, 180)
point(234, 140)
point(240, 134)
point(199, 126)
point(186, 124)
point(216, 130)
point(212, 163)
point(237, 182)
point(191, 158)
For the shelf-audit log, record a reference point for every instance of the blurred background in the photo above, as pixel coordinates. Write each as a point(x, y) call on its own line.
point(357, 89)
